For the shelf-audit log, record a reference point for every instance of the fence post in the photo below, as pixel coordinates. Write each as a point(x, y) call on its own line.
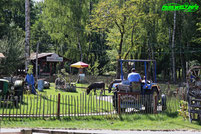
point(119, 105)
point(155, 106)
point(58, 107)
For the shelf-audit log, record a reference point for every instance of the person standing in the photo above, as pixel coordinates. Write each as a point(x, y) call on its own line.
point(30, 80)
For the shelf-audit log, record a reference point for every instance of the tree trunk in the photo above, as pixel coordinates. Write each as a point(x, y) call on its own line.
point(183, 65)
point(80, 48)
point(27, 33)
point(150, 55)
point(78, 35)
point(173, 47)
point(132, 42)
point(170, 70)
point(37, 62)
point(119, 56)
point(182, 59)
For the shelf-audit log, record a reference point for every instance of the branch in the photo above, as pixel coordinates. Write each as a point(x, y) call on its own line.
point(132, 44)
point(118, 26)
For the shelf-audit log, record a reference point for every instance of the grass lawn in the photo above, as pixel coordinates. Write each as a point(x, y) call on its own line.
point(81, 90)
point(169, 120)
point(126, 122)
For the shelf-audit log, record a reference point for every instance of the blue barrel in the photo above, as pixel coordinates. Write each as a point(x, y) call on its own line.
point(40, 85)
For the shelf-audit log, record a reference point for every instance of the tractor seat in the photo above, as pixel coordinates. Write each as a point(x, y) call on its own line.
point(135, 86)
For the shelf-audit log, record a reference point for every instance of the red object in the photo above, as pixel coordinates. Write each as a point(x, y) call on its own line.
point(79, 65)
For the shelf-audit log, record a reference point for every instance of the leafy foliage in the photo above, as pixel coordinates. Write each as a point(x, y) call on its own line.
point(184, 109)
point(12, 46)
point(100, 32)
point(30, 69)
point(93, 70)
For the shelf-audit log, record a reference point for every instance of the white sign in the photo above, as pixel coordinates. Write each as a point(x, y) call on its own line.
point(55, 58)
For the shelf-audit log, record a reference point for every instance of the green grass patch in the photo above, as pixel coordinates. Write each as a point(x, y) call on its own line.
point(46, 103)
point(126, 122)
point(72, 103)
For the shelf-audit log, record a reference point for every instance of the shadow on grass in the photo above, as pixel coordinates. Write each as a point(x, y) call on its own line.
point(125, 117)
point(172, 114)
point(146, 116)
point(66, 90)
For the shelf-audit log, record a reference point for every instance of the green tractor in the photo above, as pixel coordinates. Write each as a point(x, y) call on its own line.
point(11, 91)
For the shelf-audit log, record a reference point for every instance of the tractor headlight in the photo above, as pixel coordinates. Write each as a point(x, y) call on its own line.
point(12, 88)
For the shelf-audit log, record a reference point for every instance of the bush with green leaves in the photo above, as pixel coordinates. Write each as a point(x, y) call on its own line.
point(183, 109)
point(93, 70)
point(12, 46)
point(30, 69)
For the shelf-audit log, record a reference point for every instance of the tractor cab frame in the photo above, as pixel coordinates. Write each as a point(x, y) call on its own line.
point(146, 85)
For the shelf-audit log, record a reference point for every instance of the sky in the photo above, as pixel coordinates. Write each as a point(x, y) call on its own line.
point(37, 0)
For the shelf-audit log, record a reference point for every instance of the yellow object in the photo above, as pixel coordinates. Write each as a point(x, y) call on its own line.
point(79, 65)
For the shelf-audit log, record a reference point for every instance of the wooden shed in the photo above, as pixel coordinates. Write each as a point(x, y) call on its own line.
point(47, 63)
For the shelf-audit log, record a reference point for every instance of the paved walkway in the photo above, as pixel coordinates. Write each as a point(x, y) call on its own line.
point(108, 131)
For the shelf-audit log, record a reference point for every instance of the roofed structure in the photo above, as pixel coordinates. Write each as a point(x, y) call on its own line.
point(47, 63)
point(41, 55)
point(1, 55)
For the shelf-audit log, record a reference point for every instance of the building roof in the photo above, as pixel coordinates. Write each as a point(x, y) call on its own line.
point(41, 55)
point(1, 55)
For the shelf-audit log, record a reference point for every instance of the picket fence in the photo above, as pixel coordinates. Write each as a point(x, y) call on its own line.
point(59, 106)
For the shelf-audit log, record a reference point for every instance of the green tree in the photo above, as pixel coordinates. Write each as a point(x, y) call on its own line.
point(12, 46)
point(115, 17)
point(65, 22)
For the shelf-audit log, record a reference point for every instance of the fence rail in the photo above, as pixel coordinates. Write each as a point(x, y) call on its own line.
point(57, 106)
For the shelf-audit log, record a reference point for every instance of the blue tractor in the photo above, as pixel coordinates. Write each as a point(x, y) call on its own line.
point(145, 96)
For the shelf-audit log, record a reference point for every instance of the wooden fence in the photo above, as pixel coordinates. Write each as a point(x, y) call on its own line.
point(57, 106)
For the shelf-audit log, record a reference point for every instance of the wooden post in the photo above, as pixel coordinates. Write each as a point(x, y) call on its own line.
point(27, 107)
point(23, 105)
point(9, 110)
point(40, 106)
point(69, 106)
point(53, 104)
point(30, 107)
point(63, 104)
point(50, 105)
point(119, 106)
point(80, 103)
point(37, 62)
point(58, 107)
point(33, 107)
point(77, 107)
point(155, 106)
point(43, 107)
point(47, 106)
point(50, 68)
